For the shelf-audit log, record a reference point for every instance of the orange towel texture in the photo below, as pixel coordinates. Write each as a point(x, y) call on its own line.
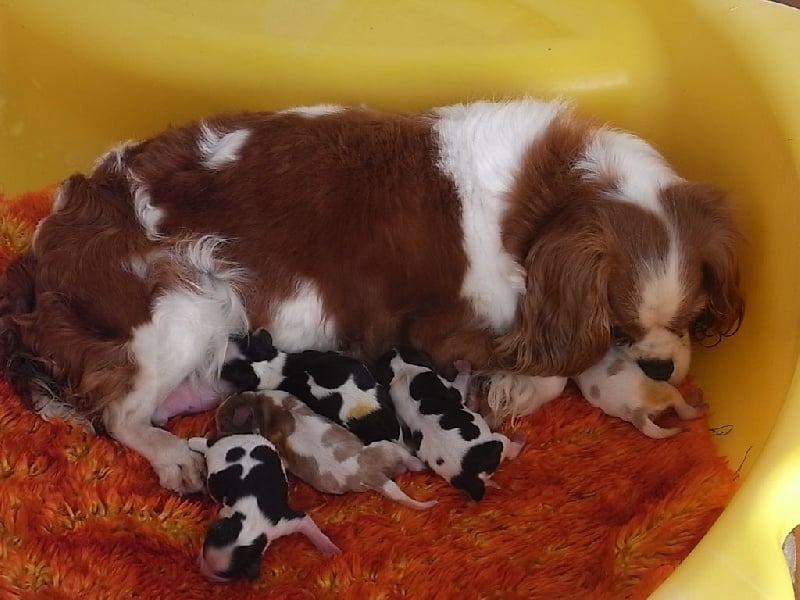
point(590, 509)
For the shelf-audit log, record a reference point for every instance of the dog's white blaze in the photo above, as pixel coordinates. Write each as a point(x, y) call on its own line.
point(300, 323)
point(662, 291)
point(638, 170)
point(218, 149)
point(149, 216)
point(316, 110)
point(480, 149)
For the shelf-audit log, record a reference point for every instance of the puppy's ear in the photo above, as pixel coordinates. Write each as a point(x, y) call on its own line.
point(258, 346)
point(239, 414)
point(563, 318)
point(706, 220)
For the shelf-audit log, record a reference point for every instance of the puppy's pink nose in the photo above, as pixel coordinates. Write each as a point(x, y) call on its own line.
point(206, 571)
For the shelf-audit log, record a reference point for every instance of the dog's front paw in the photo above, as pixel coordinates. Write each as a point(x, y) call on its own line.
point(180, 469)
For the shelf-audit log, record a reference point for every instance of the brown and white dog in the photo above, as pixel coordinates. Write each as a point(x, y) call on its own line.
point(516, 235)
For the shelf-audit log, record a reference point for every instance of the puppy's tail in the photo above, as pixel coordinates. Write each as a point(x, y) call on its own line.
point(391, 490)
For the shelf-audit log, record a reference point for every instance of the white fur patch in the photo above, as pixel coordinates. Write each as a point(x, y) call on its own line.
point(218, 149)
point(149, 216)
point(60, 199)
point(662, 290)
point(299, 322)
point(317, 110)
point(480, 149)
point(270, 372)
point(639, 170)
point(116, 155)
point(191, 324)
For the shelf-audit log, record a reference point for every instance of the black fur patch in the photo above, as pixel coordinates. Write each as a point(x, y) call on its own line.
point(411, 438)
point(483, 458)
point(258, 346)
point(433, 395)
point(246, 560)
point(240, 373)
point(381, 424)
point(224, 486)
point(414, 356)
point(463, 421)
point(234, 455)
point(224, 532)
point(382, 370)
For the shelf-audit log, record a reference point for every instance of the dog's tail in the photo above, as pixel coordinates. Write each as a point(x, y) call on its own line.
point(391, 490)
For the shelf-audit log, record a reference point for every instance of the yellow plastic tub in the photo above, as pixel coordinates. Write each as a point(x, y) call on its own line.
point(714, 83)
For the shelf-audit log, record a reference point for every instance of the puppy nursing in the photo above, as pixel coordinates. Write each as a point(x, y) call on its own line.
point(334, 385)
point(453, 441)
point(318, 451)
point(621, 389)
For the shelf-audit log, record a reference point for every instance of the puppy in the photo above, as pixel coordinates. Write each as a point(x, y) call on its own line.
point(619, 388)
point(246, 475)
point(320, 452)
point(451, 439)
point(333, 385)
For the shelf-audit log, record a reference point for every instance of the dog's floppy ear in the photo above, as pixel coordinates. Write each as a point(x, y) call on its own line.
point(563, 318)
point(705, 218)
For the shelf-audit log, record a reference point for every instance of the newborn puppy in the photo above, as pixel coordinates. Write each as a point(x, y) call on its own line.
point(619, 387)
point(333, 385)
point(323, 454)
point(246, 475)
point(452, 440)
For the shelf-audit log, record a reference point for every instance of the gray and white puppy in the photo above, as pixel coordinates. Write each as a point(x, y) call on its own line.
point(246, 475)
point(323, 454)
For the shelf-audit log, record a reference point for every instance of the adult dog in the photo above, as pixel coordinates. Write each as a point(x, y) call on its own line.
point(517, 236)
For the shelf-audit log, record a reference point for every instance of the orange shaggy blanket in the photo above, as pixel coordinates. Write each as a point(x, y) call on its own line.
point(590, 509)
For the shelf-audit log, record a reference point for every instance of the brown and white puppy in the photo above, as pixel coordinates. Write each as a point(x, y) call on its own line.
point(325, 455)
point(514, 235)
point(619, 387)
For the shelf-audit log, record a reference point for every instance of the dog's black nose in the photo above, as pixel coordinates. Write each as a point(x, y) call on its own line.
point(660, 370)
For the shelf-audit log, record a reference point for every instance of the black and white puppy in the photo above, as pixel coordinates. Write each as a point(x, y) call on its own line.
point(333, 385)
point(455, 442)
point(247, 476)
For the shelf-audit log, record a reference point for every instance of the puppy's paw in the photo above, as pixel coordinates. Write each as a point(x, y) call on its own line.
point(687, 411)
point(180, 469)
point(643, 421)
